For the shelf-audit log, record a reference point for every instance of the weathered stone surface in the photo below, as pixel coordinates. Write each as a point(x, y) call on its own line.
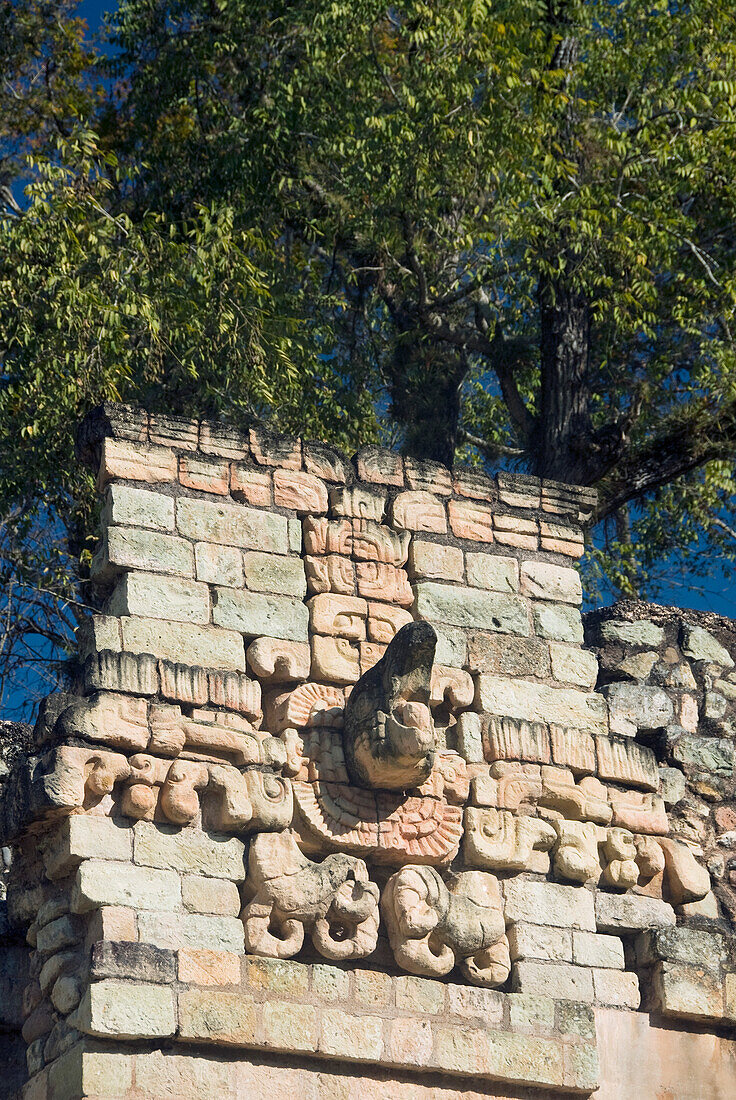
point(344, 616)
point(573, 749)
point(543, 581)
point(492, 653)
point(687, 992)
point(702, 646)
point(127, 1010)
point(136, 673)
point(233, 525)
point(255, 614)
point(712, 754)
point(210, 895)
point(643, 706)
point(471, 607)
point(134, 961)
point(274, 573)
point(535, 941)
point(639, 633)
point(301, 491)
point(83, 836)
point(126, 506)
point(102, 882)
point(559, 622)
point(550, 904)
point(135, 462)
point(251, 485)
point(687, 945)
point(208, 967)
point(469, 737)
point(336, 660)
point(571, 665)
point(471, 520)
point(278, 660)
point(616, 987)
point(155, 597)
point(492, 571)
point(627, 761)
point(380, 466)
point(540, 703)
point(138, 548)
point(219, 564)
point(418, 510)
point(433, 561)
point(593, 949)
point(209, 646)
point(561, 981)
point(203, 932)
point(630, 912)
point(205, 475)
point(188, 850)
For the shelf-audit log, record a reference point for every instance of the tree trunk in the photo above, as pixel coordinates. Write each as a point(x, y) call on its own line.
point(564, 414)
point(424, 385)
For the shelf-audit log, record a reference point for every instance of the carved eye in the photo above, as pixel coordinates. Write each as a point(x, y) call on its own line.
point(272, 788)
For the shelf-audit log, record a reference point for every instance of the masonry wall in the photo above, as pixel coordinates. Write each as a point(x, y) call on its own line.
point(242, 863)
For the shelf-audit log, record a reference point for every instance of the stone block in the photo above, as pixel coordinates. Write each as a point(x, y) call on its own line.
point(219, 564)
point(232, 525)
point(559, 622)
point(126, 506)
point(373, 989)
point(325, 462)
point(271, 449)
point(329, 983)
point(210, 895)
point(303, 492)
point(688, 945)
point(472, 1002)
point(428, 476)
point(140, 962)
point(189, 850)
point(289, 1027)
point(208, 646)
point(275, 573)
point(433, 561)
point(410, 1042)
point(700, 645)
point(277, 976)
point(542, 581)
point(255, 614)
point(100, 882)
point(357, 502)
point(418, 510)
point(57, 935)
point(593, 949)
point(85, 836)
point(626, 761)
point(549, 903)
point(573, 749)
point(470, 482)
point(471, 520)
point(279, 660)
point(132, 673)
point(174, 431)
point(493, 572)
point(531, 1012)
point(379, 466)
point(687, 992)
point(155, 597)
point(385, 621)
point(96, 633)
point(515, 739)
point(471, 607)
point(572, 665)
point(111, 922)
point(492, 653)
point(356, 1038)
point(200, 931)
point(134, 461)
point(138, 548)
point(712, 754)
point(469, 737)
point(251, 485)
point(336, 660)
point(630, 912)
point(419, 995)
point(127, 1010)
point(535, 941)
point(641, 633)
point(208, 967)
point(185, 683)
point(644, 706)
point(217, 1017)
point(204, 474)
point(499, 1055)
point(344, 616)
point(533, 702)
point(562, 981)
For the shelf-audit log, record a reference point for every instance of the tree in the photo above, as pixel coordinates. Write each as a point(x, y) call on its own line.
point(519, 213)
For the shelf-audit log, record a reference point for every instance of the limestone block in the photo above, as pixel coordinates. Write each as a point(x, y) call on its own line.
point(687, 992)
point(626, 761)
point(255, 614)
point(543, 581)
point(330, 573)
point(561, 539)
point(712, 754)
point(201, 931)
point(210, 895)
point(135, 461)
point(185, 683)
point(492, 653)
point(96, 633)
point(370, 654)
point(452, 646)
point(673, 786)
point(700, 645)
point(303, 492)
point(470, 482)
point(136, 961)
point(274, 573)
point(515, 739)
point(219, 564)
point(103, 882)
point(433, 561)
point(428, 476)
point(192, 645)
point(357, 502)
point(221, 439)
point(550, 903)
point(357, 1038)
point(85, 836)
point(335, 659)
point(572, 665)
point(157, 597)
point(640, 633)
point(127, 1010)
point(642, 705)
point(205, 475)
point(471, 520)
point(531, 1012)
point(638, 666)
point(616, 987)
point(630, 912)
point(452, 687)
point(374, 542)
point(516, 531)
point(500, 840)
point(232, 525)
point(687, 945)
point(641, 812)
point(471, 607)
point(325, 462)
point(532, 702)
point(173, 431)
point(217, 1017)
point(138, 548)
point(561, 981)
point(111, 922)
point(469, 737)
point(278, 660)
point(518, 491)
point(126, 506)
point(134, 673)
point(119, 720)
point(379, 466)
point(251, 485)
point(344, 616)
point(687, 880)
point(270, 449)
point(534, 941)
point(573, 749)
point(323, 536)
point(385, 621)
point(559, 622)
point(418, 510)
point(378, 580)
point(208, 967)
point(492, 571)
point(188, 850)
point(593, 949)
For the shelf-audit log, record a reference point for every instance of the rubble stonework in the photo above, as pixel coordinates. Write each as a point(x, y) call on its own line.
point(339, 780)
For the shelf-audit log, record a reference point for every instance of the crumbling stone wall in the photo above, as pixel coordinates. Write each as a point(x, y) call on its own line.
point(336, 808)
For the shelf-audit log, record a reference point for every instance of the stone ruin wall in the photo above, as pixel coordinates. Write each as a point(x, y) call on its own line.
point(245, 864)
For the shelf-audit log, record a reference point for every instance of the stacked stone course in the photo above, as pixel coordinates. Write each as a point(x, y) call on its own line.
point(337, 780)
